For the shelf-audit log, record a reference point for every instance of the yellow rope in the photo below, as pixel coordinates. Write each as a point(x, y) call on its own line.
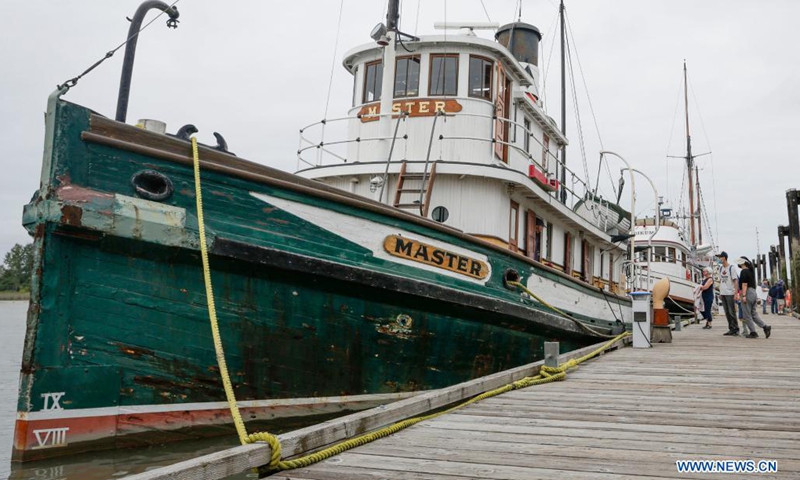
point(546, 374)
point(560, 312)
point(244, 438)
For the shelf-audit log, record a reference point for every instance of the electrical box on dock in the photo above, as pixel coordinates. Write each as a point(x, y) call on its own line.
point(641, 319)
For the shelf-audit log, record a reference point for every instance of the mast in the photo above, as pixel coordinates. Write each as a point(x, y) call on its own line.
point(563, 105)
point(699, 207)
point(689, 157)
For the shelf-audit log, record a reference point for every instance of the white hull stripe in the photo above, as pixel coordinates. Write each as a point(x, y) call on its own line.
point(184, 407)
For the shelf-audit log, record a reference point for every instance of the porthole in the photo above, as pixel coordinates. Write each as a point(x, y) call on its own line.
point(440, 214)
point(152, 185)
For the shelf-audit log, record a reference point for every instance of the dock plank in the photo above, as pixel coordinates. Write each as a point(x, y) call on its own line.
point(629, 414)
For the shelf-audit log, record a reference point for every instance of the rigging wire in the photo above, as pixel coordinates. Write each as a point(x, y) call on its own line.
point(333, 62)
point(576, 108)
point(74, 80)
point(546, 70)
point(416, 20)
point(671, 131)
point(708, 143)
point(486, 11)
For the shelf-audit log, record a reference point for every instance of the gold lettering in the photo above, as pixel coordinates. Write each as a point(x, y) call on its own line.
point(424, 107)
point(409, 107)
point(396, 108)
point(429, 255)
point(440, 106)
point(373, 110)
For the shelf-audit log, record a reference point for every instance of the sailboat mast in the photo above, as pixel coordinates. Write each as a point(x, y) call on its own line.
point(563, 104)
point(689, 157)
point(699, 207)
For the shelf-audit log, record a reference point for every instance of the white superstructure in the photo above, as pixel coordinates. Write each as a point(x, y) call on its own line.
point(451, 127)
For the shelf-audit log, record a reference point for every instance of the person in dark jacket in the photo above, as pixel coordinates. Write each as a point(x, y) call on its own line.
point(773, 302)
point(780, 296)
point(707, 293)
point(747, 285)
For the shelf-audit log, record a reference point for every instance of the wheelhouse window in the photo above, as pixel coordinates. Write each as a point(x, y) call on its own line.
point(373, 80)
point(671, 255)
point(444, 75)
point(406, 77)
point(480, 77)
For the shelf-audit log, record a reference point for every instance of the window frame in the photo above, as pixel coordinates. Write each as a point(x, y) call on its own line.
point(419, 74)
point(434, 56)
point(364, 90)
point(526, 124)
point(489, 87)
point(513, 226)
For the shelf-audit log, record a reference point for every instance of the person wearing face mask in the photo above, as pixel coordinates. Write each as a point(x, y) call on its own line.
point(747, 292)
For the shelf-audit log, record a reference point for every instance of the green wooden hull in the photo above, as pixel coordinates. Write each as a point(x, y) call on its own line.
point(119, 344)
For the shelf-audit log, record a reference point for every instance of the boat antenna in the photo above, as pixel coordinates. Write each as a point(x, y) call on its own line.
point(130, 49)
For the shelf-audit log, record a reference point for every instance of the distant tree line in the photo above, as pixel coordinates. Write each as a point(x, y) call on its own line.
point(15, 273)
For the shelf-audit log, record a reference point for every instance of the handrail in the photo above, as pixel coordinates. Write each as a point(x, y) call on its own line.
point(427, 162)
point(400, 117)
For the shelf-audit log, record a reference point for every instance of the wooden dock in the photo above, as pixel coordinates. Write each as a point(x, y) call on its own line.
point(629, 414)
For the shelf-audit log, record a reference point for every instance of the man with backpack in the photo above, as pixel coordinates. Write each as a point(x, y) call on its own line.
point(728, 293)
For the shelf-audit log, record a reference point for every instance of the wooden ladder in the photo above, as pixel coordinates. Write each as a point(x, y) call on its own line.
point(423, 189)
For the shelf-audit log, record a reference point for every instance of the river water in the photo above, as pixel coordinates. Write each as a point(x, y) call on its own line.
point(90, 466)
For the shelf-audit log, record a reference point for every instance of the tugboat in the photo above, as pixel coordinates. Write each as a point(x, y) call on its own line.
point(449, 242)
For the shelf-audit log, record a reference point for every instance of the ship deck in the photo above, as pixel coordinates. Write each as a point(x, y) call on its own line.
point(631, 413)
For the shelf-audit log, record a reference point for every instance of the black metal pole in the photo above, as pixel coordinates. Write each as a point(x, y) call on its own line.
point(393, 15)
point(130, 51)
point(563, 106)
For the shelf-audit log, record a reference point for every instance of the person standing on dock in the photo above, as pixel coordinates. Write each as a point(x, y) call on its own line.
point(780, 297)
point(747, 281)
point(728, 288)
point(765, 288)
point(707, 293)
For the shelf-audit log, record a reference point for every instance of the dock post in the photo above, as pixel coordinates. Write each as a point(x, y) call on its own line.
point(793, 261)
point(676, 320)
point(783, 232)
point(551, 352)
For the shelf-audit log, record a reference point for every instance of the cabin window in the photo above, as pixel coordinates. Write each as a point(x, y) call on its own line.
point(549, 247)
point(533, 236)
point(602, 264)
point(527, 124)
point(568, 253)
point(373, 81)
point(660, 254)
point(513, 226)
point(671, 258)
point(406, 77)
point(545, 151)
point(480, 77)
point(444, 75)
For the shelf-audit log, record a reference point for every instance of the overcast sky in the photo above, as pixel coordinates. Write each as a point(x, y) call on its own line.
point(257, 71)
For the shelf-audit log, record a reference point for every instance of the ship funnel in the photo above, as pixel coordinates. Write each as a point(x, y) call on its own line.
point(522, 40)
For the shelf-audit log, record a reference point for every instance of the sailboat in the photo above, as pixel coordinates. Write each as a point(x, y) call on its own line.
point(673, 244)
point(445, 244)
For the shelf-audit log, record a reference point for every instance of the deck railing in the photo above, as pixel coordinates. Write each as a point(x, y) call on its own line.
point(318, 152)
